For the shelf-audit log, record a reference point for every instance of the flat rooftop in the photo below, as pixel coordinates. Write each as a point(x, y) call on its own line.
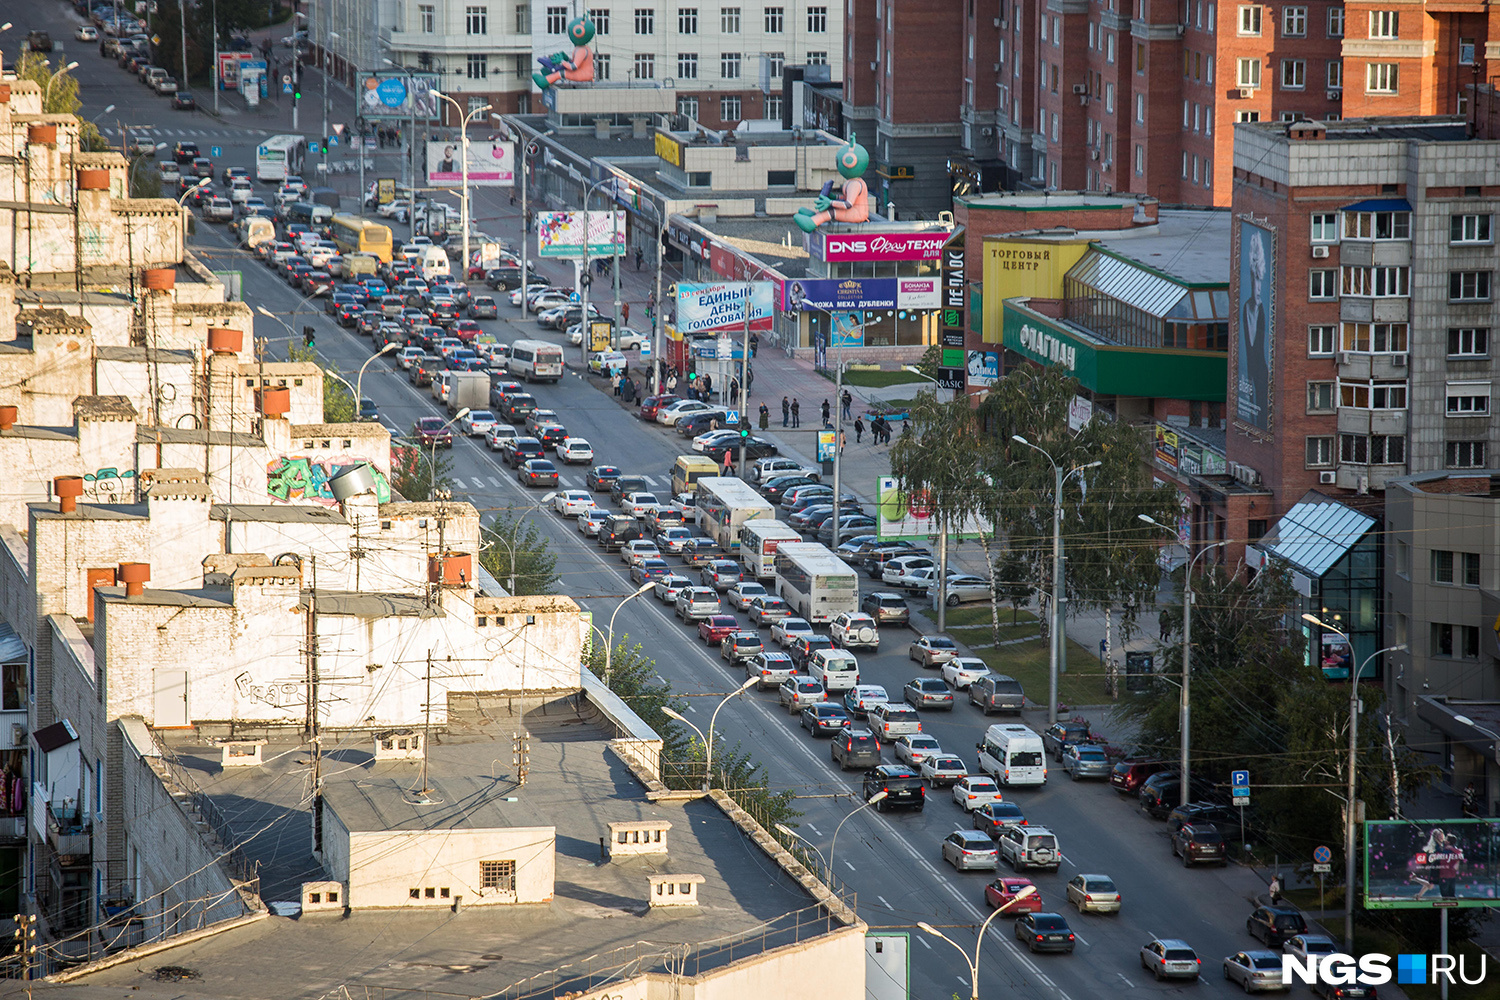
point(575, 784)
point(1191, 245)
point(775, 242)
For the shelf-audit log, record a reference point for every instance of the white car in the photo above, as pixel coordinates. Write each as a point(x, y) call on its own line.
point(668, 587)
point(393, 210)
point(591, 520)
point(86, 33)
point(921, 580)
point(766, 469)
point(571, 503)
point(408, 355)
point(636, 552)
point(713, 439)
point(943, 769)
point(544, 298)
point(688, 504)
point(498, 435)
point(669, 416)
point(572, 450)
point(319, 254)
point(239, 191)
point(961, 671)
point(915, 749)
point(639, 504)
point(607, 362)
point(975, 791)
point(896, 568)
point(789, 630)
point(476, 422)
point(742, 593)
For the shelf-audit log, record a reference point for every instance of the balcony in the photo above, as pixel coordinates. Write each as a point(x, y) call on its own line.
point(72, 841)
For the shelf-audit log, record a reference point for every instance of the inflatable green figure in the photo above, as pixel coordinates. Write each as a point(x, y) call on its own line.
point(579, 68)
point(853, 202)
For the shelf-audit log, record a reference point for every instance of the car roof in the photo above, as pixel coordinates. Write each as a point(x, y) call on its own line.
point(1174, 943)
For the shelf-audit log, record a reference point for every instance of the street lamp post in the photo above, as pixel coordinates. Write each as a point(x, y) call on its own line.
point(1029, 890)
point(47, 94)
point(1353, 760)
point(873, 800)
point(785, 830)
point(609, 648)
point(510, 545)
point(708, 741)
point(182, 197)
point(1059, 649)
point(328, 36)
point(463, 131)
point(1185, 713)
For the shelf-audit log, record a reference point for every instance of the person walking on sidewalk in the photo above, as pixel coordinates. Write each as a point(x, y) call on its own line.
point(765, 416)
point(786, 411)
point(796, 414)
point(625, 313)
point(859, 429)
point(640, 255)
point(827, 411)
point(842, 441)
point(672, 383)
point(848, 401)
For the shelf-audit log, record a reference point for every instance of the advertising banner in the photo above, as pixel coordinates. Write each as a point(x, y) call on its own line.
point(229, 68)
point(919, 293)
point(1257, 327)
point(1426, 864)
point(385, 190)
point(491, 164)
point(560, 234)
point(599, 335)
point(860, 246)
point(983, 369)
point(721, 306)
point(909, 517)
point(951, 330)
point(396, 94)
point(843, 294)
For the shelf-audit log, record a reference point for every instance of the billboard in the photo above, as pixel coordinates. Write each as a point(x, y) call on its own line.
point(722, 306)
point(1257, 327)
point(491, 164)
point(396, 94)
point(842, 294)
point(909, 517)
point(984, 369)
point(1426, 864)
point(865, 246)
point(560, 234)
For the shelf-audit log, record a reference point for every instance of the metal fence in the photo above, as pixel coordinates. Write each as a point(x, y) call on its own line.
point(235, 863)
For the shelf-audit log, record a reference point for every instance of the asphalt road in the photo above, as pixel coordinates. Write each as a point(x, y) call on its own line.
point(891, 860)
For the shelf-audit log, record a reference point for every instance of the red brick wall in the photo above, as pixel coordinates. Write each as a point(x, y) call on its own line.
point(860, 32)
point(924, 48)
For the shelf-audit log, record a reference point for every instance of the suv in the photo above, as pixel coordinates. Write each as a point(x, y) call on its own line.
point(891, 720)
point(696, 603)
point(721, 574)
point(1274, 924)
point(805, 646)
point(856, 748)
point(1171, 958)
point(1030, 847)
point(886, 608)
point(768, 667)
point(997, 693)
point(1194, 842)
point(1060, 735)
point(902, 786)
point(850, 630)
point(741, 646)
point(1128, 775)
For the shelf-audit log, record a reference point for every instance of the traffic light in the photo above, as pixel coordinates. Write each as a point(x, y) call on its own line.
point(307, 335)
point(325, 146)
point(744, 431)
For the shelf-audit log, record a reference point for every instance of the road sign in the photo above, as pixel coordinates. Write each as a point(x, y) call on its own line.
point(286, 86)
point(1322, 855)
point(732, 417)
point(1239, 787)
point(1319, 869)
point(312, 147)
point(645, 348)
point(216, 151)
point(333, 140)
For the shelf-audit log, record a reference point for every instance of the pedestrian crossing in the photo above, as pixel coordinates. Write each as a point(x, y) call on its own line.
point(114, 132)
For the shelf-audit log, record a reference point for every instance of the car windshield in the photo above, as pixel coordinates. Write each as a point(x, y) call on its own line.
point(1046, 922)
point(1183, 955)
point(1005, 810)
point(1265, 961)
point(940, 642)
point(1289, 921)
point(1208, 836)
point(982, 785)
point(1090, 753)
point(1099, 885)
point(1319, 947)
point(948, 763)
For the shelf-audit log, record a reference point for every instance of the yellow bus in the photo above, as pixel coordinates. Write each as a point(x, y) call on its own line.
point(353, 234)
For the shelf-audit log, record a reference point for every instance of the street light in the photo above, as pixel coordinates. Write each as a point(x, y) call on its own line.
point(1058, 648)
point(46, 94)
point(1185, 712)
point(463, 131)
point(708, 742)
point(529, 148)
point(609, 648)
point(1353, 756)
point(873, 800)
point(789, 832)
point(921, 374)
point(1029, 890)
point(357, 387)
point(107, 109)
point(202, 182)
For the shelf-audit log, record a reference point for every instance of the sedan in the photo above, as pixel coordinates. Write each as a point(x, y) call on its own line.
point(769, 610)
point(571, 503)
point(915, 749)
point(1094, 894)
point(591, 521)
point(1170, 958)
point(1086, 760)
point(941, 770)
point(183, 100)
point(600, 477)
point(970, 850)
point(927, 692)
point(1007, 892)
point(575, 450)
point(1045, 932)
point(789, 630)
point(649, 570)
point(703, 441)
point(713, 629)
point(668, 416)
point(862, 697)
point(673, 540)
point(932, 650)
point(961, 671)
point(975, 791)
point(997, 816)
point(964, 588)
point(721, 574)
point(824, 719)
point(668, 587)
point(1305, 946)
point(537, 472)
point(754, 448)
point(1257, 971)
point(741, 594)
point(86, 33)
point(476, 422)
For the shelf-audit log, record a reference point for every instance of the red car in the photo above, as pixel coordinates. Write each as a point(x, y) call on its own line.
point(1128, 775)
point(651, 404)
point(1005, 890)
point(714, 628)
point(466, 330)
point(433, 432)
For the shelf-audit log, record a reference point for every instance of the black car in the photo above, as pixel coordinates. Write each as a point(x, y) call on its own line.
point(1225, 818)
point(424, 368)
point(1060, 735)
point(705, 420)
point(824, 718)
point(518, 407)
point(1199, 842)
point(627, 484)
point(1161, 793)
point(754, 448)
point(369, 322)
point(482, 307)
point(347, 314)
point(523, 449)
point(856, 748)
point(600, 478)
point(1045, 932)
point(774, 489)
point(902, 786)
point(804, 648)
point(1275, 924)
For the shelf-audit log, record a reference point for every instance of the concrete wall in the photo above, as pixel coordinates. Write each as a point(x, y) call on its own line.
point(383, 867)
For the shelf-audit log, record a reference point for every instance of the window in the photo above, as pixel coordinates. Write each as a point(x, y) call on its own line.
point(426, 18)
point(479, 66)
point(1459, 641)
point(1140, 108)
point(645, 21)
point(499, 875)
point(1210, 69)
point(1376, 449)
point(1294, 22)
point(1470, 563)
point(1320, 340)
point(645, 66)
point(1377, 225)
point(729, 65)
point(1468, 399)
point(1469, 229)
point(1381, 78)
point(817, 59)
point(1247, 116)
point(1249, 19)
point(1469, 342)
point(1325, 227)
point(1293, 74)
point(1377, 282)
point(1372, 395)
point(773, 113)
point(1465, 454)
point(687, 20)
point(775, 65)
point(557, 21)
point(477, 20)
point(520, 66)
point(1384, 24)
point(1322, 284)
point(1249, 71)
point(601, 21)
point(1140, 160)
point(1375, 338)
point(687, 106)
point(1109, 98)
point(1186, 114)
point(817, 20)
point(1335, 74)
point(729, 109)
point(1466, 51)
point(775, 20)
point(601, 66)
point(1319, 451)
point(1109, 48)
point(1469, 286)
point(1336, 22)
point(1403, 559)
point(687, 65)
point(1320, 397)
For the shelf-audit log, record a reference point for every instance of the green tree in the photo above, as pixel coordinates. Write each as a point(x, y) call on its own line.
point(517, 554)
point(145, 179)
point(414, 469)
point(1014, 582)
point(166, 24)
point(338, 402)
point(60, 96)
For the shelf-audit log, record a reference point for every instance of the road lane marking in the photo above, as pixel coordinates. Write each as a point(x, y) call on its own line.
point(888, 906)
point(849, 866)
point(1126, 981)
point(923, 942)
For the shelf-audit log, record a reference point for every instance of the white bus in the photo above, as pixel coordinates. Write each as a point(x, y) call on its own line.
point(816, 583)
point(1013, 755)
point(279, 157)
point(535, 361)
point(724, 504)
point(758, 541)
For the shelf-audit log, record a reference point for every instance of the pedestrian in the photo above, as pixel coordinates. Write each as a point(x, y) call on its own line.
point(786, 411)
point(1277, 887)
point(754, 343)
point(728, 463)
point(859, 429)
point(672, 382)
point(734, 391)
point(708, 387)
point(848, 401)
point(1471, 800)
point(796, 414)
point(826, 412)
point(512, 196)
point(640, 256)
point(1164, 623)
point(880, 429)
point(614, 381)
point(765, 416)
point(842, 441)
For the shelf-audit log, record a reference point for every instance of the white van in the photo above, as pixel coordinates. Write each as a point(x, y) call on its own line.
point(835, 669)
point(534, 360)
point(432, 263)
point(1013, 755)
point(255, 230)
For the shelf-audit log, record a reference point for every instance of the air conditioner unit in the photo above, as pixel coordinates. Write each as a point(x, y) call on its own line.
point(996, 69)
point(986, 132)
point(1109, 165)
point(1327, 478)
point(17, 734)
point(873, 67)
point(1080, 88)
point(1346, 358)
point(999, 23)
point(1320, 252)
point(1093, 154)
point(1398, 361)
point(1004, 23)
point(1180, 29)
point(1246, 93)
point(1334, 95)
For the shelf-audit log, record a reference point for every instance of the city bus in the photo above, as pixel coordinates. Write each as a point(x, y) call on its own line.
point(759, 539)
point(816, 583)
point(724, 505)
point(353, 234)
point(278, 158)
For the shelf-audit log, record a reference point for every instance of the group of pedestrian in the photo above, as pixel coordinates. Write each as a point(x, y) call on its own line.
point(386, 135)
point(791, 413)
point(625, 388)
point(880, 430)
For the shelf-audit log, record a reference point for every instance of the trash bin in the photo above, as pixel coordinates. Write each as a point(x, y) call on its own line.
point(1139, 668)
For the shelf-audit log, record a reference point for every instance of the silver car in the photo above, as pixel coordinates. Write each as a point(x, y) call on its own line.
point(668, 587)
point(1255, 971)
point(770, 668)
point(1086, 760)
point(970, 850)
point(797, 692)
point(1171, 958)
point(696, 603)
point(962, 589)
point(788, 630)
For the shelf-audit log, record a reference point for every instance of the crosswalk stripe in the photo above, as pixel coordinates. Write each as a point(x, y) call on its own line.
point(494, 482)
point(649, 480)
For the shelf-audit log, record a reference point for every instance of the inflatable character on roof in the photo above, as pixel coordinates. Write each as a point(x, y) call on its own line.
point(853, 202)
point(578, 68)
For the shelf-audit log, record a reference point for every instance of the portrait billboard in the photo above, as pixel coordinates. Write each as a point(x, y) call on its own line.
point(399, 95)
point(491, 164)
point(560, 234)
point(1257, 326)
point(722, 305)
point(983, 369)
point(1426, 864)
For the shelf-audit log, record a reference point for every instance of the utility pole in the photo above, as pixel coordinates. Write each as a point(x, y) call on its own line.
point(658, 316)
point(313, 738)
point(182, 27)
point(213, 74)
point(744, 385)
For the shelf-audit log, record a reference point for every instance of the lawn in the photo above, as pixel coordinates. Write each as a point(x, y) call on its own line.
point(875, 379)
point(1027, 662)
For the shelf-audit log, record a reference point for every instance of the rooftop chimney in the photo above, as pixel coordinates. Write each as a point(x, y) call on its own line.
point(68, 490)
point(225, 341)
point(135, 576)
point(8, 417)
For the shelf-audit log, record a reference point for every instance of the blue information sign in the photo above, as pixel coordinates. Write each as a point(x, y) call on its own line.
point(216, 151)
